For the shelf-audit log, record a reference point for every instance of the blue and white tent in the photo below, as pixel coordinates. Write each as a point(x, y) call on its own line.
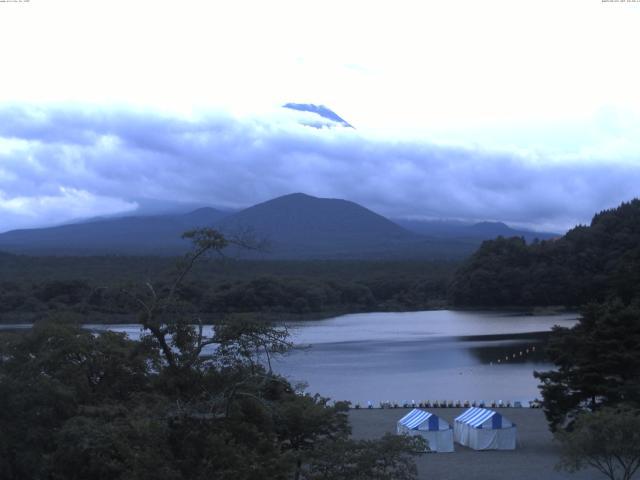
point(437, 432)
point(483, 429)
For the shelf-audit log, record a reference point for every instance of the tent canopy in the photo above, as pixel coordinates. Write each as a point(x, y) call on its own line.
point(483, 418)
point(420, 420)
point(437, 432)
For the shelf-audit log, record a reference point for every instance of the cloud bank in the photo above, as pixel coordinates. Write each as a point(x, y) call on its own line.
point(59, 163)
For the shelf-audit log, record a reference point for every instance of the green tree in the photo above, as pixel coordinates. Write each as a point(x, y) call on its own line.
point(48, 375)
point(75, 405)
point(389, 458)
point(588, 264)
point(607, 440)
point(304, 421)
point(598, 363)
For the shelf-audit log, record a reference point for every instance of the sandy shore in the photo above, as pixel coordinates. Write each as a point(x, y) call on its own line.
point(534, 458)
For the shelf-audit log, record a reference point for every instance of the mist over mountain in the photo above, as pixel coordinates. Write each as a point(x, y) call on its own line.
point(480, 230)
point(139, 235)
point(294, 226)
point(221, 160)
point(148, 207)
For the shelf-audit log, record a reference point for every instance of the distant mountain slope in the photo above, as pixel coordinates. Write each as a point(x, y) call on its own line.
point(482, 230)
point(302, 225)
point(296, 226)
point(320, 110)
point(588, 264)
point(159, 234)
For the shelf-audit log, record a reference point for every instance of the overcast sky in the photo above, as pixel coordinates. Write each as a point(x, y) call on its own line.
point(521, 111)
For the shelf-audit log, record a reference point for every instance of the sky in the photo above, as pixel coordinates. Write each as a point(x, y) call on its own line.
point(526, 112)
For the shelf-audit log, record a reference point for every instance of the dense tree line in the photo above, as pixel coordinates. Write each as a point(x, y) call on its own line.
point(75, 405)
point(595, 268)
point(589, 264)
point(78, 405)
point(221, 287)
point(592, 397)
point(597, 360)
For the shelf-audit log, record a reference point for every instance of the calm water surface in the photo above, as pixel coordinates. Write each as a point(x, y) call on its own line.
point(432, 355)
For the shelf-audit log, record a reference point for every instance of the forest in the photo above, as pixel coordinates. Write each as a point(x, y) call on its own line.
point(104, 407)
point(74, 405)
point(596, 380)
point(589, 264)
point(97, 287)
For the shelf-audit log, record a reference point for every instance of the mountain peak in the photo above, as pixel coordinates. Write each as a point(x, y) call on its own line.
point(295, 195)
point(298, 225)
point(204, 210)
point(319, 110)
point(492, 226)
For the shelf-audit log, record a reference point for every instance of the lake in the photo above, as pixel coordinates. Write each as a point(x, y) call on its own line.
point(430, 355)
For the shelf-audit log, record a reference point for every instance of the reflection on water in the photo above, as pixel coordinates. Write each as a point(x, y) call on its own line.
point(523, 348)
point(434, 355)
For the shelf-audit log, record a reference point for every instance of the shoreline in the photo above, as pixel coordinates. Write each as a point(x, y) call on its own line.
point(29, 318)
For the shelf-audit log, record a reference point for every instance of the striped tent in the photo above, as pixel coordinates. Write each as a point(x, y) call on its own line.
point(437, 432)
point(484, 429)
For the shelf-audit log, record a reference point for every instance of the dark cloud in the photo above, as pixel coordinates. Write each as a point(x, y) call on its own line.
point(54, 159)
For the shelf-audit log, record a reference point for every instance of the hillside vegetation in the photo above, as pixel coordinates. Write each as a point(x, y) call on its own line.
point(95, 287)
point(589, 264)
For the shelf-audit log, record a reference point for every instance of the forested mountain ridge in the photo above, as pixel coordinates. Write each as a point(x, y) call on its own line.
point(589, 264)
